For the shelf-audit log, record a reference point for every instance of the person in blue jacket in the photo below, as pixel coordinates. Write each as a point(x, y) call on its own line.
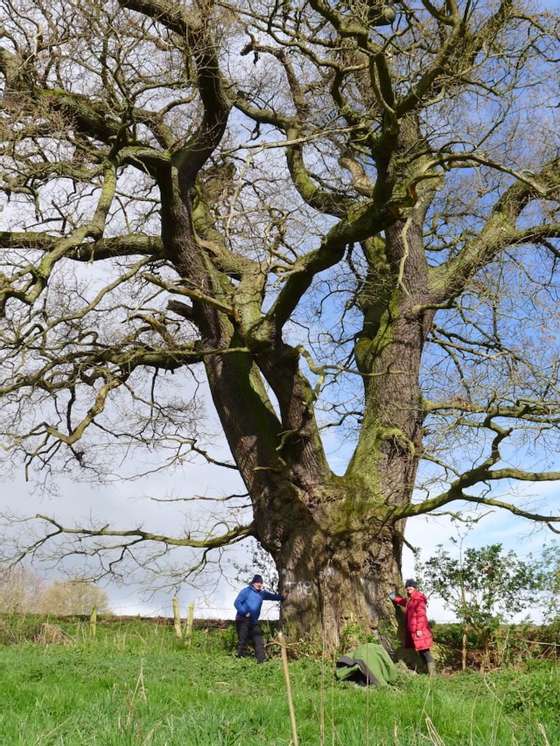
point(248, 606)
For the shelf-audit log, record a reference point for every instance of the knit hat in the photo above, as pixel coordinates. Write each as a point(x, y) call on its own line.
point(410, 583)
point(257, 579)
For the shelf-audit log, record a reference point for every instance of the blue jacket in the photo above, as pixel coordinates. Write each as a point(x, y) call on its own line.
point(249, 601)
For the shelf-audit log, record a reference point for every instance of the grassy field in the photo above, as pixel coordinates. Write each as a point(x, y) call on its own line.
point(135, 684)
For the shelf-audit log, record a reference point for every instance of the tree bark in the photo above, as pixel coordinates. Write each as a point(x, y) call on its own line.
point(337, 581)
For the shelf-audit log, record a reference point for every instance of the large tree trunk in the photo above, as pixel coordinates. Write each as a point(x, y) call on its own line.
point(335, 541)
point(336, 582)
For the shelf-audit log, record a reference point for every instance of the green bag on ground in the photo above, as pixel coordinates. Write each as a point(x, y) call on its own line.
point(368, 665)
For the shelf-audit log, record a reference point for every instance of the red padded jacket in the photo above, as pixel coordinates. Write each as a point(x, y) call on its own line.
point(418, 633)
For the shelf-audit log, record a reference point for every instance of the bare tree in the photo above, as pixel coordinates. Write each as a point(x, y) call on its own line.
point(24, 592)
point(73, 597)
point(20, 590)
point(343, 217)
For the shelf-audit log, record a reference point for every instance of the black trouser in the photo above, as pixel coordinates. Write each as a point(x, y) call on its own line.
point(249, 631)
point(426, 656)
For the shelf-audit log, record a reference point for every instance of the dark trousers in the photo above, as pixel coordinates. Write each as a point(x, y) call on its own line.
point(426, 655)
point(249, 631)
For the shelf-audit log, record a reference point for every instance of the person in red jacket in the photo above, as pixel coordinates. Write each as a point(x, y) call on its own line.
point(418, 633)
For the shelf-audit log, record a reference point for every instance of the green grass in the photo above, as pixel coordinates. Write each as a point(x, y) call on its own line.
point(135, 685)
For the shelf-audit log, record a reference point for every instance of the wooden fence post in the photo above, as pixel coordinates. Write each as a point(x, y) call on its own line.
point(177, 618)
point(190, 619)
point(93, 622)
point(284, 653)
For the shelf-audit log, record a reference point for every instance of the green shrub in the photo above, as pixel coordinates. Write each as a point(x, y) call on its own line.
point(510, 645)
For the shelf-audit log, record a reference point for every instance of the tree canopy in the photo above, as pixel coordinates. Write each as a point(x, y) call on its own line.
point(340, 219)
